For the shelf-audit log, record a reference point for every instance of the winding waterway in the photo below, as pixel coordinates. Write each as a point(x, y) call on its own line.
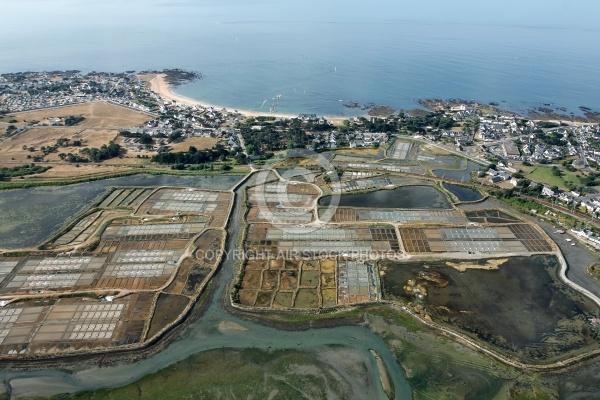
point(203, 335)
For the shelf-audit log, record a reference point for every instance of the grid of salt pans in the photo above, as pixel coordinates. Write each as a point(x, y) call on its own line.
point(6, 268)
point(51, 281)
point(184, 207)
point(326, 247)
point(285, 197)
point(138, 270)
point(483, 233)
point(59, 264)
point(97, 321)
point(140, 256)
point(400, 150)
point(392, 168)
point(161, 229)
point(7, 319)
point(286, 215)
point(300, 233)
point(52, 264)
point(405, 216)
point(487, 246)
point(274, 187)
point(197, 197)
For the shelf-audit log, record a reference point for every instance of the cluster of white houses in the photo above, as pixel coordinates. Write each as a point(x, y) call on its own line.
point(33, 90)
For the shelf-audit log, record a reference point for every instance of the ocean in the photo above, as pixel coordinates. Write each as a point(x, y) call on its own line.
point(314, 56)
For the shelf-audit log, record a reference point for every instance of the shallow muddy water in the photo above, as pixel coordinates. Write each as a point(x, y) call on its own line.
point(29, 216)
point(521, 306)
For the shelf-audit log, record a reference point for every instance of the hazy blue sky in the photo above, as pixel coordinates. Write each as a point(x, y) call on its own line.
point(548, 13)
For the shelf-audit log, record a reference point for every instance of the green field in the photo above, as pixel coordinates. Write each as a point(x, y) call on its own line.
point(544, 175)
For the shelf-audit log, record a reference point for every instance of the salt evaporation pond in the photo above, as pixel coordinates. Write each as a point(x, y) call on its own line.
point(458, 174)
point(463, 193)
point(417, 197)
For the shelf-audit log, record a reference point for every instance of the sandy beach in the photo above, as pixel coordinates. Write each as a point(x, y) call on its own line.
point(159, 85)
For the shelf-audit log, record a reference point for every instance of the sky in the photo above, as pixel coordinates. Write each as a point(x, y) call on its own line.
point(547, 13)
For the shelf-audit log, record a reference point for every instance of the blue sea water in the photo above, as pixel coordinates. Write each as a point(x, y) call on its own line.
point(319, 54)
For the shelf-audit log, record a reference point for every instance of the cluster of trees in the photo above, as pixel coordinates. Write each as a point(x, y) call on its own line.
point(270, 137)
point(22, 170)
point(66, 142)
point(193, 156)
point(10, 129)
point(103, 153)
point(377, 125)
point(73, 120)
point(147, 139)
point(552, 138)
point(72, 158)
point(435, 120)
point(547, 124)
point(593, 179)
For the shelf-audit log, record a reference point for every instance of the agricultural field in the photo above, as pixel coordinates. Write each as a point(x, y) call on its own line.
point(60, 172)
point(98, 114)
point(200, 143)
point(29, 143)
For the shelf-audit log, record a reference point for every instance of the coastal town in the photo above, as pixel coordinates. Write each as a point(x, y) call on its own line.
point(555, 159)
point(289, 217)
